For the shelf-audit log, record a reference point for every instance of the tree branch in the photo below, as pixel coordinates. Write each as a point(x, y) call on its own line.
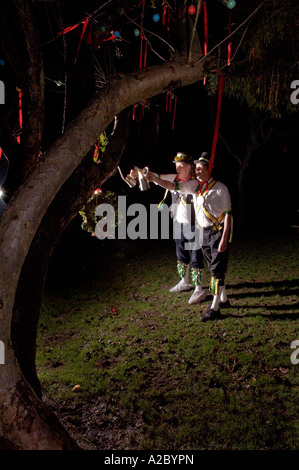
point(229, 149)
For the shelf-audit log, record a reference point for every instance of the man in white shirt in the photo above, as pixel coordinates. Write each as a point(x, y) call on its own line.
point(212, 204)
point(188, 253)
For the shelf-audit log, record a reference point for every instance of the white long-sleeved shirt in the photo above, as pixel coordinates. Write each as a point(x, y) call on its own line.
point(181, 213)
point(217, 201)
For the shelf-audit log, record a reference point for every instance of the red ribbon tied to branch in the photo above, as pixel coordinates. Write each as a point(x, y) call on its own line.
point(20, 94)
point(82, 34)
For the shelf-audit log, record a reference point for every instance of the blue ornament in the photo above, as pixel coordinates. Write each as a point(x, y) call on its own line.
point(231, 4)
point(2, 62)
point(156, 17)
point(116, 34)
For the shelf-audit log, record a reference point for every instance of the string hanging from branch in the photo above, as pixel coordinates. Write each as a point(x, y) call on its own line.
point(229, 46)
point(205, 33)
point(142, 58)
point(217, 123)
point(168, 101)
point(168, 106)
point(142, 35)
point(198, 10)
point(134, 111)
point(174, 111)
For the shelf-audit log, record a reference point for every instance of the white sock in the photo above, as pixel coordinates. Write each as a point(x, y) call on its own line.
point(185, 279)
point(197, 289)
point(215, 302)
point(222, 294)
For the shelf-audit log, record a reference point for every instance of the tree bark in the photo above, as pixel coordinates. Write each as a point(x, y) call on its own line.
point(22, 217)
point(70, 199)
point(20, 40)
point(34, 84)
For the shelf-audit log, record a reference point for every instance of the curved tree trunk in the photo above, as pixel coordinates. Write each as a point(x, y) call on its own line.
point(23, 215)
point(70, 199)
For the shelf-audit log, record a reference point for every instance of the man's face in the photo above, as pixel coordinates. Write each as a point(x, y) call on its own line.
point(202, 172)
point(183, 169)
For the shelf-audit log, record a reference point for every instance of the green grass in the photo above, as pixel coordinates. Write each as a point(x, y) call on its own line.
point(151, 374)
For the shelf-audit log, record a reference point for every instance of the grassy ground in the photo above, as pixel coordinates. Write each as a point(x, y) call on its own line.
point(151, 374)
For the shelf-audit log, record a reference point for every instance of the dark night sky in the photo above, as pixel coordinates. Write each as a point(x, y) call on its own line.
point(271, 168)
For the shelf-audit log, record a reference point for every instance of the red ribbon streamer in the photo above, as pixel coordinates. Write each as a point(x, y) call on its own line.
point(164, 15)
point(229, 33)
point(206, 33)
point(108, 39)
point(82, 34)
point(20, 113)
point(174, 111)
point(69, 28)
point(145, 54)
point(169, 95)
point(20, 110)
point(0, 153)
point(141, 51)
point(89, 37)
point(216, 131)
point(142, 57)
point(206, 27)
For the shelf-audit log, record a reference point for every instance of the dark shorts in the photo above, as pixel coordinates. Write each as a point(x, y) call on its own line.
point(187, 251)
point(217, 262)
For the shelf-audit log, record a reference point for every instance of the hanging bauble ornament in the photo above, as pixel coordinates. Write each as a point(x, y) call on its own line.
point(136, 32)
point(58, 82)
point(2, 62)
point(191, 9)
point(156, 17)
point(103, 28)
point(231, 4)
point(116, 34)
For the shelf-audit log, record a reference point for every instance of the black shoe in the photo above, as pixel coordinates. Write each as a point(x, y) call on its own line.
point(225, 304)
point(211, 315)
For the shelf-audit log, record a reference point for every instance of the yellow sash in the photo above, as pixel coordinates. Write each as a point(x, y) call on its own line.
point(215, 220)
